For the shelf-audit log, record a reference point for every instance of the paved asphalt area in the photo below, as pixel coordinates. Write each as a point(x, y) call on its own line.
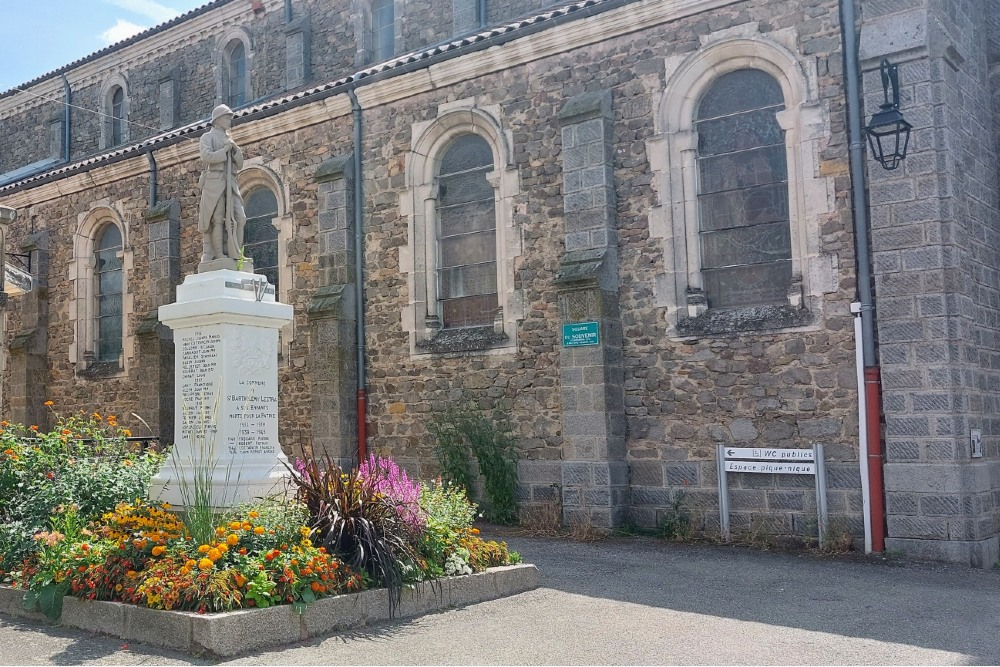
point(641, 601)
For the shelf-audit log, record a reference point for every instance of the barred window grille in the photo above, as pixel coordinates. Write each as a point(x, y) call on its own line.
point(466, 235)
point(108, 270)
point(260, 236)
point(117, 117)
point(383, 27)
point(237, 94)
point(744, 233)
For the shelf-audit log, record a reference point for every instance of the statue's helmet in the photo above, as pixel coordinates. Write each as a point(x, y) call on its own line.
point(221, 110)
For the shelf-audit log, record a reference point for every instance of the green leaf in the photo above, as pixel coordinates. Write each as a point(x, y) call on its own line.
point(299, 607)
point(30, 601)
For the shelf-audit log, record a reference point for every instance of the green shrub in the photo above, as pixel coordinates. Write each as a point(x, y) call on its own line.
point(84, 462)
point(449, 516)
point(462, 432)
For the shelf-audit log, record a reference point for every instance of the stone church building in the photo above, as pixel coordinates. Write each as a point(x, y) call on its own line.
point(443, 189)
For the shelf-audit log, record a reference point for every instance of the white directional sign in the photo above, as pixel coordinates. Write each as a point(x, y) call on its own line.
point(761, 454)
point(772, 461)
point(764, 466)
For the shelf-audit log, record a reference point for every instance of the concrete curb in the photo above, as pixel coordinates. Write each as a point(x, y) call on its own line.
point(232, 633)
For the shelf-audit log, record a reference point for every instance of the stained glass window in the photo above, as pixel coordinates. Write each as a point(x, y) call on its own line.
point(746, 251)
point(117, 119)
point(383, 30)
point(260, 236)
point(237, 94)
point(467, 239)
point(108, 276)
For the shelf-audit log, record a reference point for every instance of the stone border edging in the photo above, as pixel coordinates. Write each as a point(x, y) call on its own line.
point(229, 634)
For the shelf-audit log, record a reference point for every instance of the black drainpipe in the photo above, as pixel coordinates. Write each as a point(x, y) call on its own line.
point(359, 287)
point(482, 13)
point(66, 118)
point(152, 177)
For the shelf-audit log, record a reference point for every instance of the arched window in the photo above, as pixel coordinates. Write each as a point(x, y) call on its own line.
point(236, 90)
point(260, 236)
point(108, 293)
point(383, 30)
point(467, 237)
point(743, 220)
point(116, 117)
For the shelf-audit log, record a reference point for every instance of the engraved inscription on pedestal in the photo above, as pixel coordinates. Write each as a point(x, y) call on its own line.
point(199, 360)
point(253, 407)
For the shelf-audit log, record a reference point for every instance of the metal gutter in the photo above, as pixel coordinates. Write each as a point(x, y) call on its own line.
point(359, 285)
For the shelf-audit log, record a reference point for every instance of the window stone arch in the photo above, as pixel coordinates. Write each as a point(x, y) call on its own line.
point(86, 271)
point(675, 218)
point(419, 259)
point(233, 44)
point(114, 113)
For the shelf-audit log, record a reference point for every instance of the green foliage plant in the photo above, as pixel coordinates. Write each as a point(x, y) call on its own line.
point(449, 515)
point(675, 523)
point(462, 432)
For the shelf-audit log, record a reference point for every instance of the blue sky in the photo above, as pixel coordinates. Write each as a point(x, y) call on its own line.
point(38, 36)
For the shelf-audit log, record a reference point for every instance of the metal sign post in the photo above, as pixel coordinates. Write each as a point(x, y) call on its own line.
point(772, 461)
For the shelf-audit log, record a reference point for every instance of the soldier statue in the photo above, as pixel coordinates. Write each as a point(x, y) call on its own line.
point(221, 203)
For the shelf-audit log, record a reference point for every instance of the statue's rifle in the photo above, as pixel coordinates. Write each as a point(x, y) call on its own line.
point(230, 224)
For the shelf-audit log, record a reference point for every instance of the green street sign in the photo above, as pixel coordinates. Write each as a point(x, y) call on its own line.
point(580, 334)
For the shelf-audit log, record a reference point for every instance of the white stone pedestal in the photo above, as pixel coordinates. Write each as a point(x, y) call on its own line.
point(225, 326)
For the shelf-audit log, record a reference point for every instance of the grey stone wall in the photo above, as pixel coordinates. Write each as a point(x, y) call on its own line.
point(936, 249)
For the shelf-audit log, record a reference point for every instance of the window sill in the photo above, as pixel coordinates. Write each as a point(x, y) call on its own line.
point(100, 370)
point(471, 339)
point(728, 321)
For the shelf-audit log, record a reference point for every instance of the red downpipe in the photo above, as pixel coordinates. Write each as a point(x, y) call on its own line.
point(362, 426)
point(876, 486)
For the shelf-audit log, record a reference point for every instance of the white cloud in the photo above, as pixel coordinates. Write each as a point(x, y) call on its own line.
point(120, 30)
point(151, 9)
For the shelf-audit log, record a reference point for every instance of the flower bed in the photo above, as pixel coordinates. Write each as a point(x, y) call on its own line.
point(347, 531)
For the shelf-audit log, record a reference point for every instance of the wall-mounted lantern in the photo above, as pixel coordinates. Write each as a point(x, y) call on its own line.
point(888, 132)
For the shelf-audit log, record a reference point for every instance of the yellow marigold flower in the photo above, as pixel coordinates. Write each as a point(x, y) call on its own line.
point(233, 539)
point(247, 525)
point(205, 564)
point(97, 416)
point(306, 542)
point(254, 515)
point(304, 531)
point(259, 530)
point(127, 433)
point(223, 547)
point(235, 525)
point(49, 404)
point(203, 549)
point(214, 554)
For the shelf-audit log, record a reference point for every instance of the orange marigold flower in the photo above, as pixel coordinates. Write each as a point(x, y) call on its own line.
point(97, 416)
point(190, 563)
point(233, 539)
point(254, 515)
point(269, 556)
point(247, 525)
point(474, 531)
point(205, 564)
point(33, 427)
point(127, 433)
point(214, 554)
point(84, 547)
point(316, 586)
point(159, 551)
point(4, 423)
point(49, 404)
point(66, 431)
point(235, 525)
point(203, 549)
point(259, 530)
point(243, 551)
